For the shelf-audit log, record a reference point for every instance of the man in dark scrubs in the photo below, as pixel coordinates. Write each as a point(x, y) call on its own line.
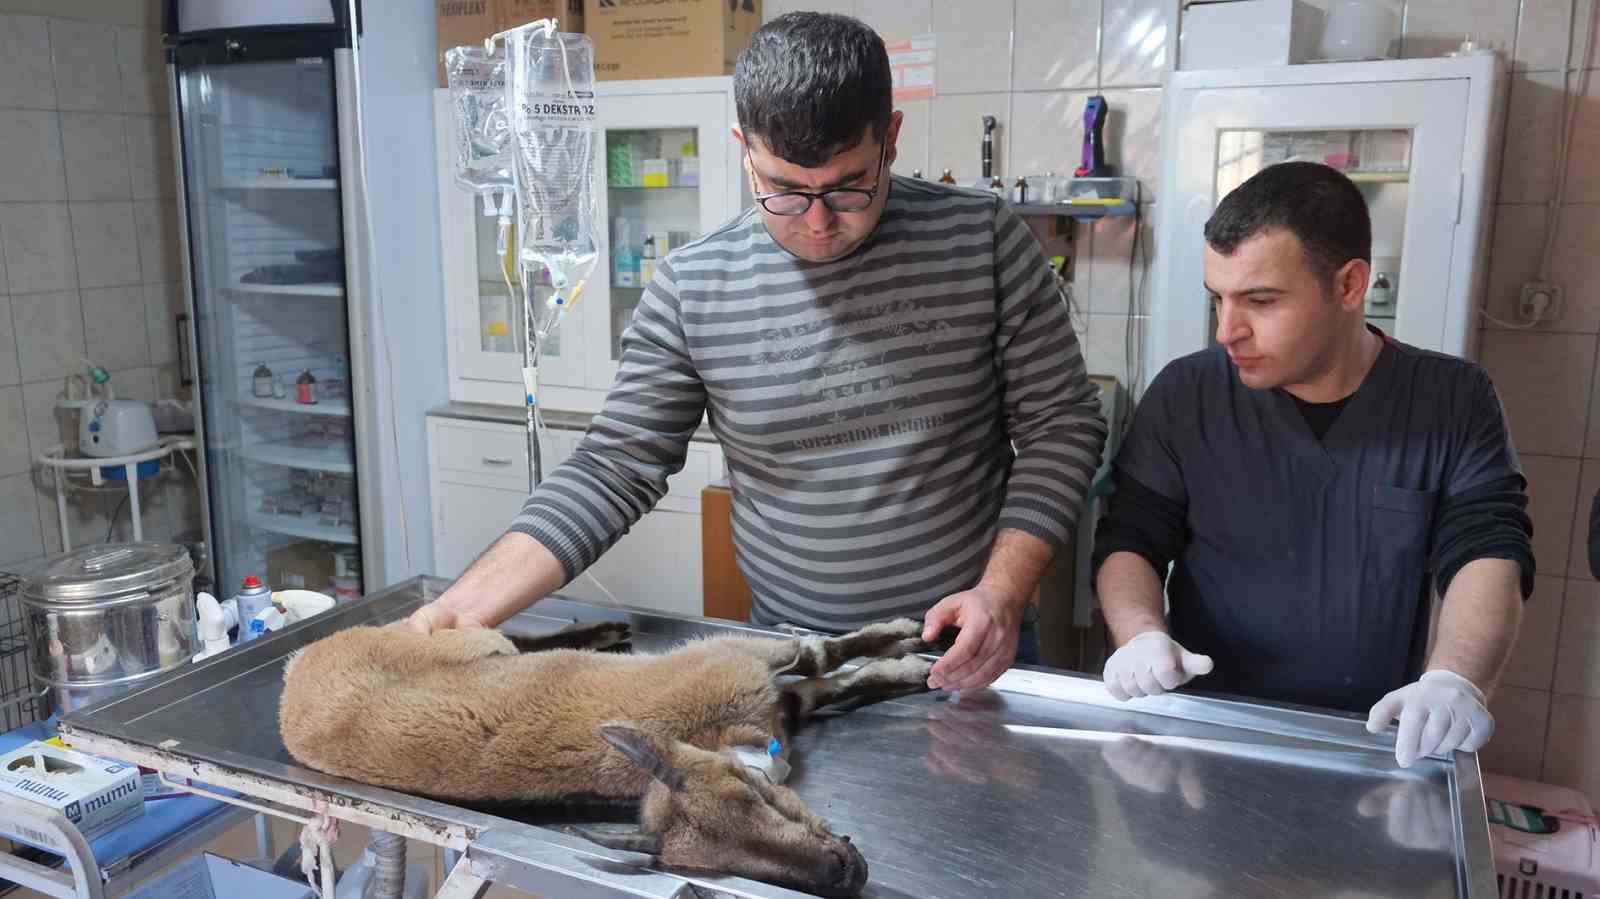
point(1314, 481)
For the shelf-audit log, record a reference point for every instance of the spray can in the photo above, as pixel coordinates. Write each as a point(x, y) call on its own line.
point(253, 596)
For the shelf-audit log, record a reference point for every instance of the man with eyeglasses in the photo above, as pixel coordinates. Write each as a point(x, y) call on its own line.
point(888, 364)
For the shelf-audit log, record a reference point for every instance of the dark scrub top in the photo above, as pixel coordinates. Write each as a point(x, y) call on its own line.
point(1304, 568)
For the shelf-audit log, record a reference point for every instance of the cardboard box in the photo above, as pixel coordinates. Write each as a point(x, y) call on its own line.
point(471, 21)
point(1233, 34)
point(668, 38)
point(567, 13)
point(95, 794)
point(209, 876)
point(303, 565)
point(149, 778)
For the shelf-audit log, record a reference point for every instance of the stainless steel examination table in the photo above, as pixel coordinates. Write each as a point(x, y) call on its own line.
point(1041, 786)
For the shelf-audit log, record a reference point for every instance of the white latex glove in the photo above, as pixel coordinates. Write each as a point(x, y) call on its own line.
point(1414, 816)
point(1440, 713)
point(1152, 663)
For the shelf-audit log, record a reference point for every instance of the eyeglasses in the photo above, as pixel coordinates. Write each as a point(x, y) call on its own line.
point(839, 199)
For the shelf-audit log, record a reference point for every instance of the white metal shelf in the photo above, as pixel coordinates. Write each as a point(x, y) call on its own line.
point(334, 458)
point(281, 184)
point(308, 528)
point(299, 290)
point(327, 408)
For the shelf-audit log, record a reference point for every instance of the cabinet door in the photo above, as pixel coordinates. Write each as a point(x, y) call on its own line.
point(467, 518)
point(1401, 142)
point(484, 312)
point(665, 158)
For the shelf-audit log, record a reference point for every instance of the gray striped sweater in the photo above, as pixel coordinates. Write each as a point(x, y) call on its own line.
point(883, 415)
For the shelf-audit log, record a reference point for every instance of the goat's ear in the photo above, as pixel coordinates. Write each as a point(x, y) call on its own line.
point(642, 751)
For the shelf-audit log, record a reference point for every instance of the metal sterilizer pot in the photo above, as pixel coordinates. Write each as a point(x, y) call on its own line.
point(104, 618)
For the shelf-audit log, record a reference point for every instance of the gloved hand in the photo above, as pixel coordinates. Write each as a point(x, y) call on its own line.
point(1152, 768)
point(1440, 713)
point(1152, 663)
point(1414, 816)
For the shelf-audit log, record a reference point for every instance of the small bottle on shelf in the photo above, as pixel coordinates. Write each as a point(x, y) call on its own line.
point(261, 381)
point(947, 178)
point(306, 389)
point(647, 262)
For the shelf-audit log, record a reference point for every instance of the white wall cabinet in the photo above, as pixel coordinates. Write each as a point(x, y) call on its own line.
point(667, 172)
point(1415, 136)
point(478, 473)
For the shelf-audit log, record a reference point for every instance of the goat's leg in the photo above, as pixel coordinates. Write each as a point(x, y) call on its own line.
point(875, 681)
point(814, 655)
point(602, 635)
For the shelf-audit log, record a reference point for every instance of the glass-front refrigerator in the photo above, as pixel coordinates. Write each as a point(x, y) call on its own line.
point(268, 218)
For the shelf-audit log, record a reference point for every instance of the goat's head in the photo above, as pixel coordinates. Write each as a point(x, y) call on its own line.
point(706, 810)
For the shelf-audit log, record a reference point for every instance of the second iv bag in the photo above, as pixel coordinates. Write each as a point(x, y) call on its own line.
point(553, 119)
point(482, 155)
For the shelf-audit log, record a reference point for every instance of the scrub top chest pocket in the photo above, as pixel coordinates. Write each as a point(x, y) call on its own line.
point(1401, 523)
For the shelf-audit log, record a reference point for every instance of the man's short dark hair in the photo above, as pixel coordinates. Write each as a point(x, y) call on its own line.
point(810, 84)
point(1316, 203)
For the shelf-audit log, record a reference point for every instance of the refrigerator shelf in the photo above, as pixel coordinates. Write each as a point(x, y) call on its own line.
point(307, 528)
point(298, 290)
point(328, 408)
point(280, 184)
point(335, 458)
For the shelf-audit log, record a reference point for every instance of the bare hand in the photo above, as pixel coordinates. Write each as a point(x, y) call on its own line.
point(989, 622)
point(435, 616)
point(967, 743)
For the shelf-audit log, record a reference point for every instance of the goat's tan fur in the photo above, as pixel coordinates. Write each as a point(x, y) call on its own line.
point(460, 714)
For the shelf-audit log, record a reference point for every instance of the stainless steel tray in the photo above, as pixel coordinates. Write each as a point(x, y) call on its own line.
point(1041, 786)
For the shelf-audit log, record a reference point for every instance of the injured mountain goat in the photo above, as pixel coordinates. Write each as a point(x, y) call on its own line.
point(464, 715)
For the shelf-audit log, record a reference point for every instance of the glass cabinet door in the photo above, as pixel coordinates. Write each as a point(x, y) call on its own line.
point(1378, 160)
point(663, 161)
point(1403, 148)
point(487, 316)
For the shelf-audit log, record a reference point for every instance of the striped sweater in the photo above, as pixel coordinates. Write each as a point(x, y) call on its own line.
point(882, 415)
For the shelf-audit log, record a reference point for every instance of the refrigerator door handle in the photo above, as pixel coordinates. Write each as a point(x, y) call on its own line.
point(185, 351)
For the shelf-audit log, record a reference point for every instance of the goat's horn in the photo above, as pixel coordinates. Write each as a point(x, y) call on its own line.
point(627, 842)
point(642, 751)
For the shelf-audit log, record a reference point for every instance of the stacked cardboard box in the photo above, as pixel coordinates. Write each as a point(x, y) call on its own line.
point(463, 22)
point(668, 38)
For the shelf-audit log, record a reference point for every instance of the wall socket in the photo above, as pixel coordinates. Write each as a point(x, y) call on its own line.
point(1534, 295)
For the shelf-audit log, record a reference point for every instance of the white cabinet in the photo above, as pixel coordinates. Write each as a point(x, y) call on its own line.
point(478, 474)
point(1415, 136)
point(667, 172)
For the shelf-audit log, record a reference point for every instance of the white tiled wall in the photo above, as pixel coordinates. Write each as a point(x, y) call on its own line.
point(1033, 64)
point(88, 244)
point(1062, 51)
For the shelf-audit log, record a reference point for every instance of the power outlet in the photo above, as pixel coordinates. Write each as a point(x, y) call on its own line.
point(1540, 302)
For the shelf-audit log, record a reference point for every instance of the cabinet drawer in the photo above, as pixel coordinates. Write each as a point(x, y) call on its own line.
point(498, 452)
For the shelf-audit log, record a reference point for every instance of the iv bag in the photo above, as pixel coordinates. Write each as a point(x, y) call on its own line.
point(483, 154)
point(553, 119)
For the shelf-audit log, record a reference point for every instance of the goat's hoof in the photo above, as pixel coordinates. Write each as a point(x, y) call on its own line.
point(910, 647)
point(610, 635)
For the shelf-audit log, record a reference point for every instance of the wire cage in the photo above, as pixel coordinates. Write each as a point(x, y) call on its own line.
point(18, 699)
